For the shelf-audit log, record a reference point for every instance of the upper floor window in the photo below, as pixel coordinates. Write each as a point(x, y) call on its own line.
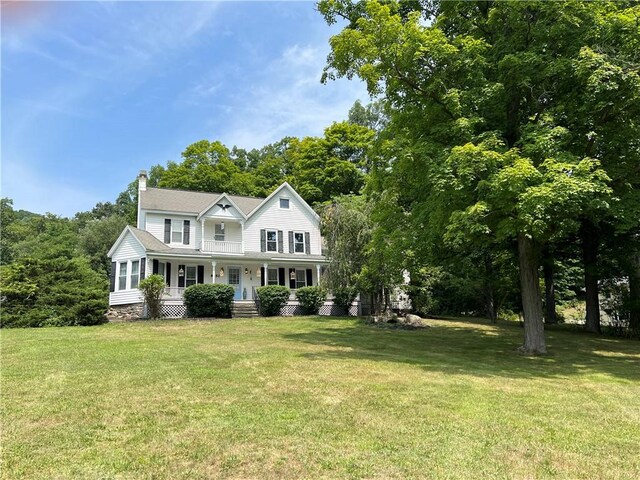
point(298, 242)
point(284, 203)
point(122, 277)
point(272, 241)
point(135, 273)
point(176, 231)
point(219, 233)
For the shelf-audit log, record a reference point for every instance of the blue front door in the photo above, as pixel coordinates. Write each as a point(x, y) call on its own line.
point(234, 281)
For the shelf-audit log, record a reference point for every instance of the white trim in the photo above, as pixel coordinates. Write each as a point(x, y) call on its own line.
point(295, 195)
point(117, 243)
point(303, 252)
point(211, 205)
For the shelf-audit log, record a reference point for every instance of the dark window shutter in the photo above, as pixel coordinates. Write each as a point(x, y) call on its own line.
point(263, 280)
point(290, 242)
point(307, 243)
point(309, 277)
point(263, 240)
point(143, 268)
point(154, 268)
point(186, 232)
point(167, 274)
point(181, 278)
point(292, 283)
point(280, 242)
point(281, 279)
point(112, 278)
point(200, 273)
point(167, 230)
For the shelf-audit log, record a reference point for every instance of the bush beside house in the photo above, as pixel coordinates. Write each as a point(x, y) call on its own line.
point(311, 299)
point(152, 289)
point(272, 299)
point(209, 300)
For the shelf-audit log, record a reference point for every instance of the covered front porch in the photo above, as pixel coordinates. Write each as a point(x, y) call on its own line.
point(244, 275)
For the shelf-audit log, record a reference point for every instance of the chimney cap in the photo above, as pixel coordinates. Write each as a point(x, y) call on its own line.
point(143, 173)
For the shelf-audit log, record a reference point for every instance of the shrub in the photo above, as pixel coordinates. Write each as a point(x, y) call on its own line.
point(152, 289)
point(209, 300)
point(311, 299)
point(343, 297)
point(272, 299)
point(52, 292)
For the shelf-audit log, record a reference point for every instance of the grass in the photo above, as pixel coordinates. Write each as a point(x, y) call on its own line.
point(316, 398)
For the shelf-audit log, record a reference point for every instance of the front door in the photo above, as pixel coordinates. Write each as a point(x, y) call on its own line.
point(234, 281)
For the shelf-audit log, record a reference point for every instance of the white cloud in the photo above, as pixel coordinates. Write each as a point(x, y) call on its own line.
point(289, 100)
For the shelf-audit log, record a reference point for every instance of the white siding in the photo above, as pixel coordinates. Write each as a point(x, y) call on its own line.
point(271, 217)
point(155, 226)
point(128, 251)
point(232, 230)
point(125, 297)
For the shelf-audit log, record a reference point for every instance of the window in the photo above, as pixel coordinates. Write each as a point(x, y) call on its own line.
point(122, 278)
point(190, 276)
point(272, 241)
point(301, 278)
point(135, 274)
point(284, 203)
point(176, 231)
point(161, 268)
point(219, 233)
point(298, 242)
point(272, 276)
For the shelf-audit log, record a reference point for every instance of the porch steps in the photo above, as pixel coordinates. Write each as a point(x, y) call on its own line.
point(244, 309)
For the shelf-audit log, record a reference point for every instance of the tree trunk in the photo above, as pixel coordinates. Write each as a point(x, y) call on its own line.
point(590, 243)
point(488, 290)
point(634, 295)
point(549, 290)
point(531, 302)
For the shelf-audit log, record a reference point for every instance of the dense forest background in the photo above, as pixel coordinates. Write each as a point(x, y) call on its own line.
point(499, 165)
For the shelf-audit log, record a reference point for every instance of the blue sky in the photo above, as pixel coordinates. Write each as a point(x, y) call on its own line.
point(93, 92)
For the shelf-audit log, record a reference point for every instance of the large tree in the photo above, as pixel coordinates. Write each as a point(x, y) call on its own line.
point(486, 110)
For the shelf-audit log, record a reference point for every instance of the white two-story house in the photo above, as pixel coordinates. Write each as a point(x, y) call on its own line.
point(195, 237)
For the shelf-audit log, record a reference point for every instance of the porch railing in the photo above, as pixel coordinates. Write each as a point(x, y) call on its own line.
point(218, 246)
point(173, 293)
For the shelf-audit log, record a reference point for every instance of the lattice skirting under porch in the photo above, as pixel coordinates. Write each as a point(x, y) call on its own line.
point(292, 308)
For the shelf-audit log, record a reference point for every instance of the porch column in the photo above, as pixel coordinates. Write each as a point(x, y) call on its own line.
point(317, 274)
point(202, 235)
point(242, 233)
point(266, 273)
point(213, 270)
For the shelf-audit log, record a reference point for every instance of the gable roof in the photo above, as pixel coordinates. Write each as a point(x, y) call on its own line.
point(295, 195)
point(190, 202)
point(219, 199)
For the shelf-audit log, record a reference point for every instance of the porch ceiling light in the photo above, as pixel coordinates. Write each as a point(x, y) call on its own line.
point(292, 276)
point(258, 273)
point(181, 272)
point(221, 225)
point(221, 271)
point(246, 271)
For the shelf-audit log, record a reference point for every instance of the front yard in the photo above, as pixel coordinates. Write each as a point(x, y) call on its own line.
point(315, 397)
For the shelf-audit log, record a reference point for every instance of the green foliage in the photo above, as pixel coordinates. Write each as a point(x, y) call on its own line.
point(209, 300)
point(97, 237)
point(343, 297)
point(311, 299)
point(52, 292)
point(152, 289)
point(272, 299)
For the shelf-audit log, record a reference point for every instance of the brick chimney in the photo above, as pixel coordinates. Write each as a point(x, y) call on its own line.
point(142, 181)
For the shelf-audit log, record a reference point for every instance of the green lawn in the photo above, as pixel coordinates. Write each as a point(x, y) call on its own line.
point(316, 398)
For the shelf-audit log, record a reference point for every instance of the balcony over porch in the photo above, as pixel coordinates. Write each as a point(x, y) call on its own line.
point(218, 246)
point(222, 236)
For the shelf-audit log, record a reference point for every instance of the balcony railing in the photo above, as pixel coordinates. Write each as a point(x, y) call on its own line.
point(217, 246)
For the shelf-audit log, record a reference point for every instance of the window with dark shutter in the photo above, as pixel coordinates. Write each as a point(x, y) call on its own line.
point(112, 277)
point(167, 230)
point(186, 234)
point(280, 241)
point(154, 268)
point(263, 278)
point(309, 277)
point(167, 270)
point(200, 273)
point(281, 277)
point(290, 242)
point(307, 243)
point(263, 241)
point(143, 268)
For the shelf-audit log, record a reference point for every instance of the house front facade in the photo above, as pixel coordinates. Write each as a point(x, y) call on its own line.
point(196, 237)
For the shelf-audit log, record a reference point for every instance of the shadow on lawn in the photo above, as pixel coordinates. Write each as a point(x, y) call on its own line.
point(476, 348)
